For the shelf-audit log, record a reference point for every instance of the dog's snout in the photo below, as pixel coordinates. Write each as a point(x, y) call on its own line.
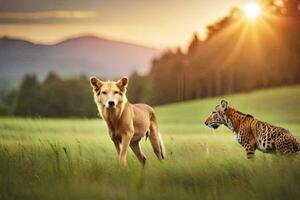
point(111, 103)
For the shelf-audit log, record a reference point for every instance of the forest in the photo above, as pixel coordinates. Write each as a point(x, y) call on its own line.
point(238, 55)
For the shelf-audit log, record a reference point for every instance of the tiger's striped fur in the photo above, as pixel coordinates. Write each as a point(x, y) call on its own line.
point(253, 134)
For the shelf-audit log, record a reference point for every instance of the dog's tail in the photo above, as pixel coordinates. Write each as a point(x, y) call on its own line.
point(162, 146)
point(156, 139)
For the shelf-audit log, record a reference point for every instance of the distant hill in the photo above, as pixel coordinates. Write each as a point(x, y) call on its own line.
point(83, 55)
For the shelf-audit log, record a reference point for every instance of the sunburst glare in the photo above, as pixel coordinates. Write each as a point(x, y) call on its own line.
point(252, 10)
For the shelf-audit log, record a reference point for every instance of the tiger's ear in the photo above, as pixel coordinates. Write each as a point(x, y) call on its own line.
point(122, 83)
point(224, 104)
point(95, 83)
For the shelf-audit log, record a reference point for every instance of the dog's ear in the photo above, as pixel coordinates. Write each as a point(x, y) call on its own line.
point(95, 83)
point(224, 104)
point(122, 83)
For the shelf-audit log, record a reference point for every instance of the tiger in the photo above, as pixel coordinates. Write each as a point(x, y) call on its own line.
point(251, 133)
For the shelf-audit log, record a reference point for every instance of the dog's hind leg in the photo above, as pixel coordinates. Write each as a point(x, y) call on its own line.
point(156, 140)
point(135, 146)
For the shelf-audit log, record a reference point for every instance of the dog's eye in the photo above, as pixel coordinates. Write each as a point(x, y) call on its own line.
point(104, 92)
point(116, 92)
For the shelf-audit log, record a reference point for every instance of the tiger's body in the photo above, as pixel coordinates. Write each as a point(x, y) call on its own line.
point(253, 134)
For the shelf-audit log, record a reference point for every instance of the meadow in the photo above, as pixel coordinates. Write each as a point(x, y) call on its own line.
point(75, 159)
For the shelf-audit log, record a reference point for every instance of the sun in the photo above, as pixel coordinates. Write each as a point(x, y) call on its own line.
point(252, 10)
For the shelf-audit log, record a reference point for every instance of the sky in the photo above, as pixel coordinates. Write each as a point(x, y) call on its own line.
point(155, 23)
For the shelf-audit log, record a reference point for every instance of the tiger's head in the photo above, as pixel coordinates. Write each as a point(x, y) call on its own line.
point(217, 117)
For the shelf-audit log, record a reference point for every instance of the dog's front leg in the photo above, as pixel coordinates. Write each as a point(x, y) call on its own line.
point(124, 147)
point(116, 142)
point(117, 145)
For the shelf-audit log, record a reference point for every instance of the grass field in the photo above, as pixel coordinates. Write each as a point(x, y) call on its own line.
point(74, 158)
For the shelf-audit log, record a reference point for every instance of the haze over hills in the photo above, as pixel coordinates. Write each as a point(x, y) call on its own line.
point(87, 55)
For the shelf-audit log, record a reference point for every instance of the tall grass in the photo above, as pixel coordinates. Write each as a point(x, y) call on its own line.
point(202, 167)
point(74, 159)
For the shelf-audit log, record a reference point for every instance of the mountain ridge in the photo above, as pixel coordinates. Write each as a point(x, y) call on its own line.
point(87, 36)
point(88, 54)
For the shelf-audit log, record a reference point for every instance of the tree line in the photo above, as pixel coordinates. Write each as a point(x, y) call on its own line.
point(62, 97)
point(53, 97)
point(238, 55)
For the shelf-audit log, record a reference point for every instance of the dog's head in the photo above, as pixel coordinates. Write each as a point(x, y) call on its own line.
point(216, 118)
point(109, 93)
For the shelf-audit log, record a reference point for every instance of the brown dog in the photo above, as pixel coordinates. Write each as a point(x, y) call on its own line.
point(127, 123)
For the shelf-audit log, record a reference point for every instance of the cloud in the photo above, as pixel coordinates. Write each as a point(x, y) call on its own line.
point(44, 17)
point(48, 14)
point(46, 5)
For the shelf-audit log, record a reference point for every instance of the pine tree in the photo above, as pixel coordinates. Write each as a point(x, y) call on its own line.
point(27, 97)
point(194, 43)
